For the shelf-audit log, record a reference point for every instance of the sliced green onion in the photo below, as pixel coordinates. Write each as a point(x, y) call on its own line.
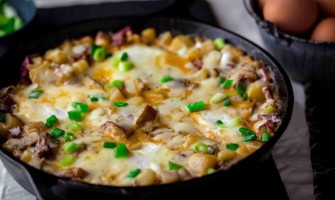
point(116, 62)
point(125, 66)
point(246, 131)
point(134, 173)
point(56, 133)
point(241, 88)
point(211, 171)
point(219, 43)
point(2, 117)
point(227, 83)
point(94, 47)
point(174, 166)
point(232, 146)
point(75, 115)
point(221, 81)
point(249, 138)
point(74, 126)
point(265, 137)
point(116, 83)
point(218, 97)
point(51, 121)
point(99, 54)
point(18, 23)
point(94, 98)
point(245, 96)
point(268, 110)
point(166, 79)
point(66, 160)
point(227, 102)
point(197, 106)
point(109, 145)
point(120, 104)
point(69, 137)
point(121, 151)
point(232, 124)
point(35, 94)
point(71, 147)
point(81, 107)
point(200, 148)
point(124, 56)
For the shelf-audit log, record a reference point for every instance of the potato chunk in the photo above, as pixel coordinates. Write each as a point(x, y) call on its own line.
point(198, 164)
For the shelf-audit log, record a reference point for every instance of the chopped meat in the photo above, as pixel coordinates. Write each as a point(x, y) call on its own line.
point(274, 117)
point(30, 139)
point(42, 148)
point(15, 132)
point(262, 73)
point(147, 114)
point(120, 37)
point(197, 63)
point(114, 130)
point(75, 173)
point(267, 93)
point(10, 122)
point(25, 70)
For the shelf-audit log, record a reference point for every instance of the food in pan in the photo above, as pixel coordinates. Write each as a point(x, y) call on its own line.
point(131, 109)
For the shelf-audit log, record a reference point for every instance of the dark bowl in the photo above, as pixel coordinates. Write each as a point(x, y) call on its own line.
point(305, 60)
point(27, 11)
point(50, 187)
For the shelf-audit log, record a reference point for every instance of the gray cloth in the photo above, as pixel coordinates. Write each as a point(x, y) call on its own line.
point(291, 153)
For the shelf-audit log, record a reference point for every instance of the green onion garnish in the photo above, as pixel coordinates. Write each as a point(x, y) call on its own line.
point(134, 173)
point(71, 147)
point(74, 126)
point(116, 83)
point(241, 88)
point(69, 137)
point(197, 106)
point(81, 107)
point(2, 117)
point(232, 124)
point(166, 79)
point(211, 171)
point(125, 66)
point(124, 56)
point(75, 115)
point(249, 137)
point(35, 94)
point(174, 166)
point(93, 48)
point(116, 62)
point(120, 104)
point(121, 151)
point(245, 96)
point(99, 54)
point(268, 110)
point(66, 160)
point(221, 81)
point(93, 98)
point(227, 102)
point(246, 131)
point(232, 146)
point(109, 145)
point(219, 43)
point(265, 137)
point(218, 97)
point(200, 148)
point(56, 133)
point(227, 83)
point(51, 121)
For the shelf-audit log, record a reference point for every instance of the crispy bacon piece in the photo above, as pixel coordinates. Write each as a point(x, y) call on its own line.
point(25, 70)
point(120, 37)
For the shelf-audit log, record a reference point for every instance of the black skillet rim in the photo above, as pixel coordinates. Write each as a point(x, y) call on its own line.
point(286, 116)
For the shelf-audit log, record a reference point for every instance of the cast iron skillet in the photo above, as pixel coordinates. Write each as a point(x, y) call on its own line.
point(47, 186)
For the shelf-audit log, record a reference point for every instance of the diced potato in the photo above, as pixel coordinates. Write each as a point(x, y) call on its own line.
point(198, 163)
point(145, 178)
point(225, 155)
point(102, 39)
point(26, 156)
point(190, 139)
point(148, 35)
point(164, 39)
point(194, 53)
point(169, 177)
point(56, 56)
point(199, 75)
point(181, 41)
point(207, 47)
point(115, 95)
point(135, 38)
point(80, 66)
point(254, 91)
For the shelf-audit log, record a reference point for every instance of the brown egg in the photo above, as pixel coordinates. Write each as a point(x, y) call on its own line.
point(327, 7)
point(325, 30)
point(291, 16)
